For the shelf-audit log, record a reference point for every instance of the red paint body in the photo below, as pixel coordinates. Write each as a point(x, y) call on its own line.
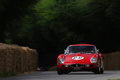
point(79, 61)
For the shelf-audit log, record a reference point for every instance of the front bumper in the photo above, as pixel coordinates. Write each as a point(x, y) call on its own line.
point(78, 67)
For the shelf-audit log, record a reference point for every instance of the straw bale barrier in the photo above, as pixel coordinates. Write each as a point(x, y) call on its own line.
point(17, 59)
point(112, 61)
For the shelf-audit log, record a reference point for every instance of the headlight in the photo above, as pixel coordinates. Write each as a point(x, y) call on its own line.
point(93, 60)
point(61, 60)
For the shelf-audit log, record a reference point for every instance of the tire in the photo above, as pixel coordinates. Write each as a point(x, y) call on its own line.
point(97, 71)
point(66, 72)
point(59, 71)
point(101, 70)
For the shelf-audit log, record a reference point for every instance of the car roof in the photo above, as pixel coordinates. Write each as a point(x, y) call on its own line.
point(81, 45)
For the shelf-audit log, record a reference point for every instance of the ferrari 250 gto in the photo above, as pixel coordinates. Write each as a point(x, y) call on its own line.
point(80, 57)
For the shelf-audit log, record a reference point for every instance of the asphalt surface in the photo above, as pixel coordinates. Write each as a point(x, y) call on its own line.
point(52, 75)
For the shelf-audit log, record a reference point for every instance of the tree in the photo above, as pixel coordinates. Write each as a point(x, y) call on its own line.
point(11, 10)
point(51, 25)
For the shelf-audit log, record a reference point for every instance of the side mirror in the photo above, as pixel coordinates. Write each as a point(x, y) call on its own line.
point(98, 50)
point(65, 52)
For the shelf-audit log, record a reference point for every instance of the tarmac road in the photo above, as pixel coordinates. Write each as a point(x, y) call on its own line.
point(52, 75)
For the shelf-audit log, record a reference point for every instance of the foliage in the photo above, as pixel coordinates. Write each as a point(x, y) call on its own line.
point(12, 11)
point(50, 25)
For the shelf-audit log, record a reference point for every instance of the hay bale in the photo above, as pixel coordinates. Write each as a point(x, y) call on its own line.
point(112, 61)
point(17, 59)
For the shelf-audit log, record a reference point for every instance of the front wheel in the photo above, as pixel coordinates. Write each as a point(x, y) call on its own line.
point(66, 72)
point(99, 70)
point(59, 71)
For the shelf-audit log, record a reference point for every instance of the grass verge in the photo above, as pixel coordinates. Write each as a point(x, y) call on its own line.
point(113, 79)
point(7, 74)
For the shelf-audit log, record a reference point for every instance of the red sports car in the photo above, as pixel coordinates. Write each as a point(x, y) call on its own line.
point(80, 57)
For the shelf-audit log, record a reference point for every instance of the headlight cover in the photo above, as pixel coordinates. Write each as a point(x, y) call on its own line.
point(93, 60)
point(61, 60)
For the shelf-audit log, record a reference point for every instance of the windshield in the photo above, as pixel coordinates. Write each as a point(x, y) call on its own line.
point(80, 49)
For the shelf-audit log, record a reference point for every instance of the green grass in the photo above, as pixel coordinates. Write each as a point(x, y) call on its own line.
point(113, 79)
point(7, 74)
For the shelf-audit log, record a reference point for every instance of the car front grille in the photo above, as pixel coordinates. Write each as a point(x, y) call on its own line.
point(76, 65)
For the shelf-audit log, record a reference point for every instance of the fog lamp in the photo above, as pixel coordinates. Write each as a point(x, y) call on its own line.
point(87, 65)
point(66, 65)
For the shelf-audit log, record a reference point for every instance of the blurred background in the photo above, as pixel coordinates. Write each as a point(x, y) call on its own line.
point(49, 26)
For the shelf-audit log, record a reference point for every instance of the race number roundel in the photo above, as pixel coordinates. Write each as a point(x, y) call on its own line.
point(77, 57)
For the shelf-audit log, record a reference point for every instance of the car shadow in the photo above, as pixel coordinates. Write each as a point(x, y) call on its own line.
point(87, 73)
point(81, 73)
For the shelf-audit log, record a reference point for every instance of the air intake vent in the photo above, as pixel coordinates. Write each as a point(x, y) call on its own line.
point(76, 65)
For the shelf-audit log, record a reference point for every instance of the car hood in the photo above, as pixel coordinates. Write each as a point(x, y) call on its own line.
point(79, 58)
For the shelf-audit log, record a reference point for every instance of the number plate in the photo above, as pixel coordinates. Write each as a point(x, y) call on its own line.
point(77, 68)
